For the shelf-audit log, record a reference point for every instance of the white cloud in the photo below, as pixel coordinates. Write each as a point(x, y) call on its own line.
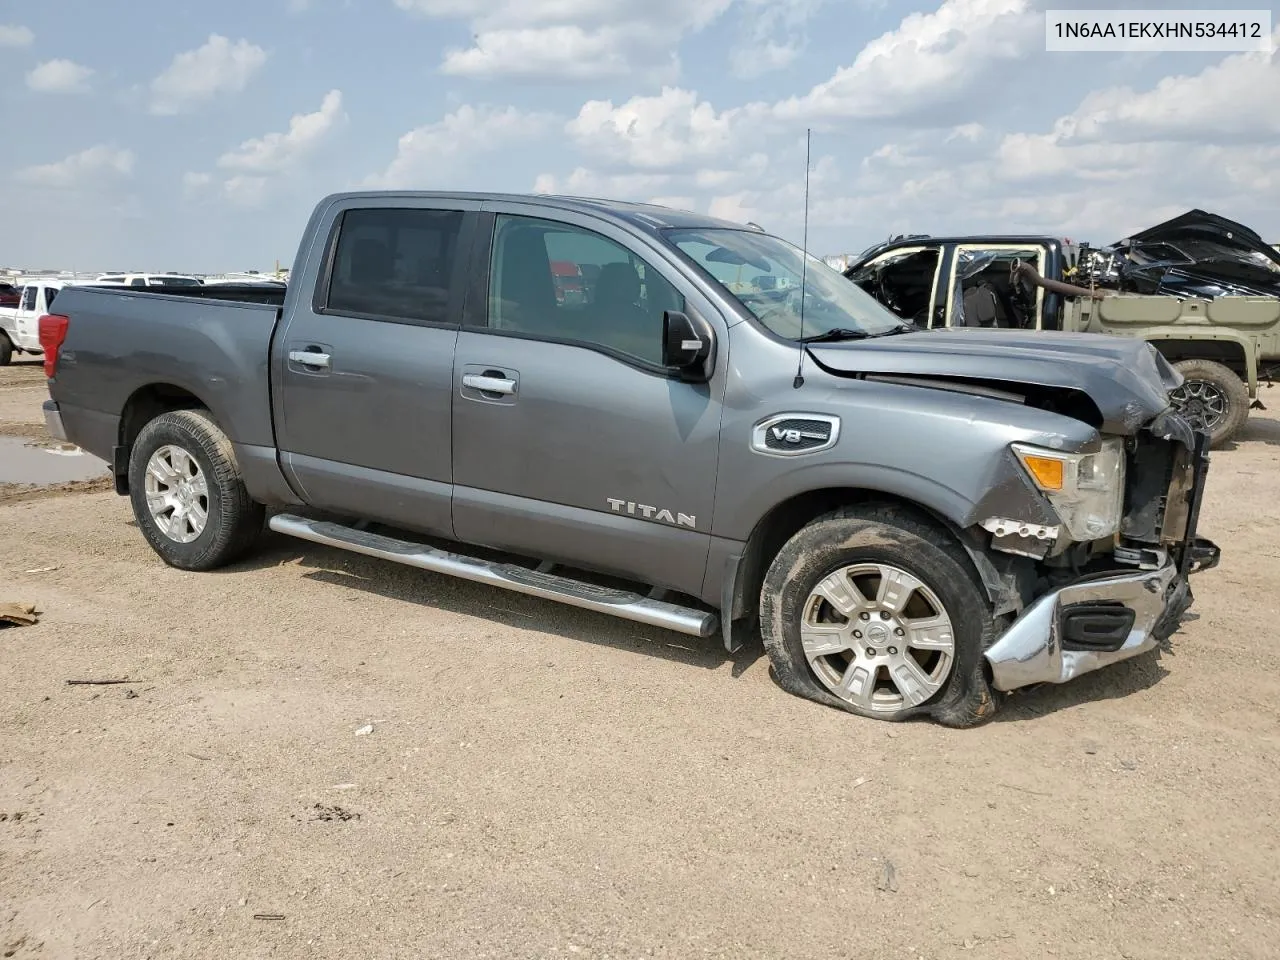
point(670, 130)
point(772, 35)
point(12, 35)
point(194, 182)
point(59, 76)
point(570, 39)
point(218, 67)
point(590, 183)
point(278, 151)
point(245, 191)
point(1234, 99)
point(429, 153)
point(566, 51)
point(81, 169)
point(932, 60)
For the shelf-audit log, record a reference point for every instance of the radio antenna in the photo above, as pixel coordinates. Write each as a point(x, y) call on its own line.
point(804, 263)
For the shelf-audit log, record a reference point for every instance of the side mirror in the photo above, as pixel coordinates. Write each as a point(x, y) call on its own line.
point(685, 347)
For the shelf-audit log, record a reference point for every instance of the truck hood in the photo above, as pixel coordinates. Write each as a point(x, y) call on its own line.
point(1126, 379)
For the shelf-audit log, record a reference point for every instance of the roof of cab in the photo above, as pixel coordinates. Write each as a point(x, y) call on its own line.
point(645, 216)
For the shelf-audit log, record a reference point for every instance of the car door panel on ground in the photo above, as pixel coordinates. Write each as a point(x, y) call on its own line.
point(588, 453)
point(365, 363)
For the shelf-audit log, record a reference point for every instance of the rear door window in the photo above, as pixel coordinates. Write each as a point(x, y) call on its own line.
point(395, 264)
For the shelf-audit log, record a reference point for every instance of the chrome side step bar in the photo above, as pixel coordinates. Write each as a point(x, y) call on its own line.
point(509, 576)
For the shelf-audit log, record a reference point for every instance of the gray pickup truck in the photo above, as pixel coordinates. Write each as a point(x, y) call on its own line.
point(665, 417)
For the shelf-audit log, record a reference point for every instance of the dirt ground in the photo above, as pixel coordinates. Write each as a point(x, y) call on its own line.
point(543, 782)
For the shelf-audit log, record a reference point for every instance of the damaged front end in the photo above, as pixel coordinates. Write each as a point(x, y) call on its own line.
point(1101, 602)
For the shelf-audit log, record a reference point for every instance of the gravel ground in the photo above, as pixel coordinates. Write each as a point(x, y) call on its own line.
point(543, 782)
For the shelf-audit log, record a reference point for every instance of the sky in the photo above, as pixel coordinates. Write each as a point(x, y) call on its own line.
point(196, 137)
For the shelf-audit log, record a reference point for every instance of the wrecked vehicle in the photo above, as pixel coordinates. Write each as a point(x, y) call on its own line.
point(1199, 255)
point(1222, 335)
point(715, 433)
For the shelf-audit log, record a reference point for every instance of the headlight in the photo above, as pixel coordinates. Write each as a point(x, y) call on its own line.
point(1086, 489)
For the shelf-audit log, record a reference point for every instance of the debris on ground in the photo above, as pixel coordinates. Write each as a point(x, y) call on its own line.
point(18, 614)
point(364, 730)
point(331, 813)
point(888, 881)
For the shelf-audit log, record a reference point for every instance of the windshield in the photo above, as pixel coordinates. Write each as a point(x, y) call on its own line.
point(764, 273)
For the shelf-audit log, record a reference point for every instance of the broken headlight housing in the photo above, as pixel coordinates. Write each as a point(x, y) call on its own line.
point(1086, 489)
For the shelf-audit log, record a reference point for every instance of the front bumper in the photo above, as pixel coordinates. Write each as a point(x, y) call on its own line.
point(1107, 617)
point(1081, 627)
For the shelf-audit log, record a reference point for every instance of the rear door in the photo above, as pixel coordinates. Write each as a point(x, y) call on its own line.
point(26, 318)
point(571, 442)
point(365, 361)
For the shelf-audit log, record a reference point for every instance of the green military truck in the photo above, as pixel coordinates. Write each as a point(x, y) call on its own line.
point(1203, 290)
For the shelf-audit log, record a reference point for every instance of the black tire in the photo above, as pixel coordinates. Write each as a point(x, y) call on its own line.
point(886, 534)
point(234, 519)
point(6, 349)
point(1228, 385)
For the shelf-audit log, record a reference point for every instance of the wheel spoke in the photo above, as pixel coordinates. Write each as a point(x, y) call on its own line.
point(912, 682)
point(931, 634)
point(858, 682)
point(896, 588)
point(839, 591)
point(162, 471)
point(823, 640)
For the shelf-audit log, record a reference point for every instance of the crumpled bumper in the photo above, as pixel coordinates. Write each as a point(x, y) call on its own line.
point(1095, 622)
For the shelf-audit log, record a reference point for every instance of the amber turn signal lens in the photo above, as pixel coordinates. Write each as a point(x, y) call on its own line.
point(1048, 471)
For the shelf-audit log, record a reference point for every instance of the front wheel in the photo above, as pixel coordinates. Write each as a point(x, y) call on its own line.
point(873, 611)
point(1213, 398)
point(187, 493)
point(6, 349)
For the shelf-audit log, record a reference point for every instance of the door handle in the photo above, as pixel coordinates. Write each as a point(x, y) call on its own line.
point(489, 384)
point(309, 357)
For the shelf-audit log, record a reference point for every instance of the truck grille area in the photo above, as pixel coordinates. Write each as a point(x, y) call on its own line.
point(1167, 464)
point(1159, 476)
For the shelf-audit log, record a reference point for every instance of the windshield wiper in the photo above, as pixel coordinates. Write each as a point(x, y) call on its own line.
point(844, 333)
point(906, 327)
point(838, 333)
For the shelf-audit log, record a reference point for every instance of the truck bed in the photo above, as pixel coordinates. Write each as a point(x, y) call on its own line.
point(212, 343)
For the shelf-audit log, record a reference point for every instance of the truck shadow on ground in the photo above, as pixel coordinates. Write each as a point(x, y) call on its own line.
point(435, 591)
point(1256, 430)
point(1118, 681)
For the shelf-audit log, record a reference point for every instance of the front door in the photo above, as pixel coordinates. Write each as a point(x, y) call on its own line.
point(365, 363)
point(570, 441)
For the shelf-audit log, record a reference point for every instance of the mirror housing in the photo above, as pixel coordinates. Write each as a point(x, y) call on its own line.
point(688, 346)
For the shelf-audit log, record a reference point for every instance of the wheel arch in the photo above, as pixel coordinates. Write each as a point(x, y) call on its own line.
point(742, 585)
point(144, 405)
point(1234, 352)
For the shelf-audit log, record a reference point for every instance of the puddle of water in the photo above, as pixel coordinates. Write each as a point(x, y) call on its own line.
point(25, 461)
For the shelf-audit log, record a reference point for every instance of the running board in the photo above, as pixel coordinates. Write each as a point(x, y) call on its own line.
point(510, 576)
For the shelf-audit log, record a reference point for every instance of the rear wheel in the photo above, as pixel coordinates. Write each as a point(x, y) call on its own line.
point(6, 349)
point(1213, 398)
point(873, 611)
point(187, 492)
